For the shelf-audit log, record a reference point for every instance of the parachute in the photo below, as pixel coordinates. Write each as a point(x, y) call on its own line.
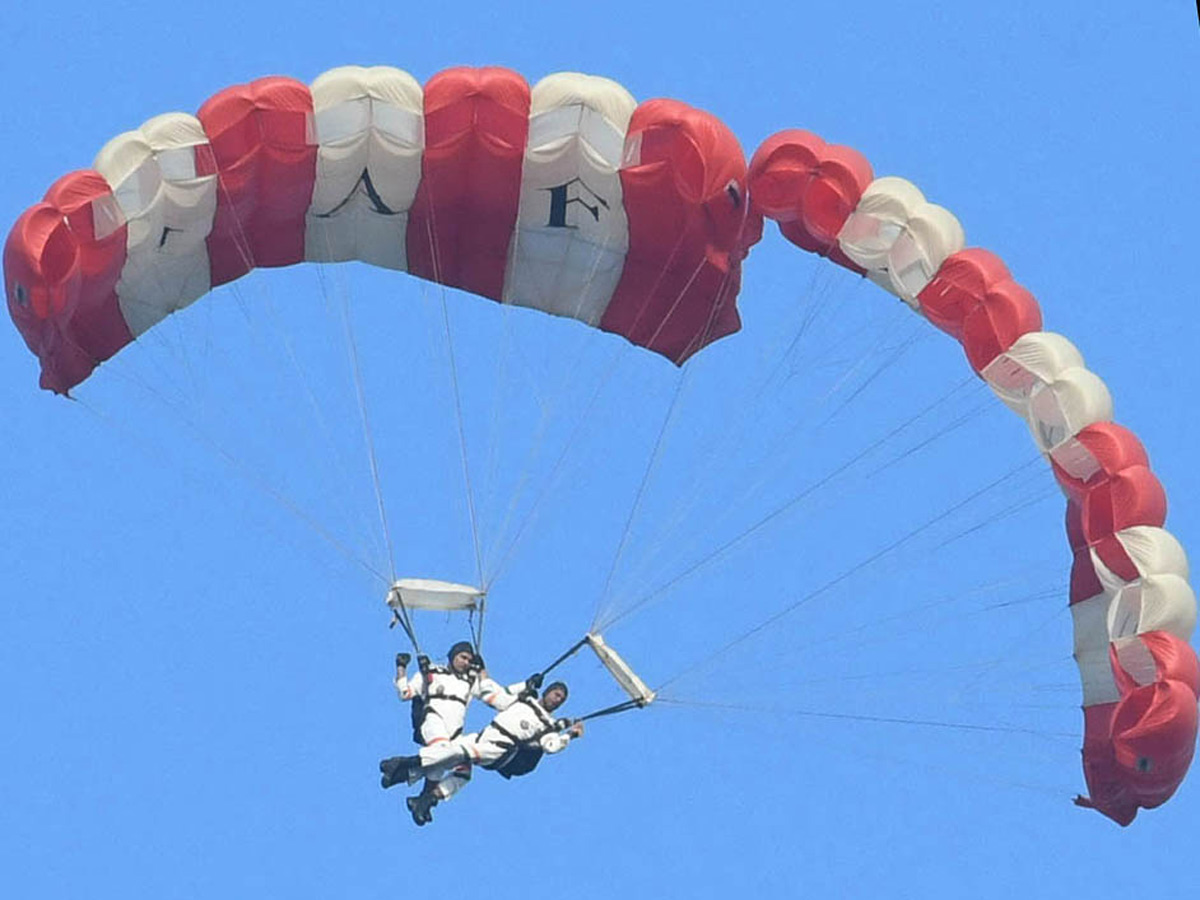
point(571, 198)
point(1132, 606)
point(526, 196)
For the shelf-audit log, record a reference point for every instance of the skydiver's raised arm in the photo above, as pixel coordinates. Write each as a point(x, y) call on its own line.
point(407, 688)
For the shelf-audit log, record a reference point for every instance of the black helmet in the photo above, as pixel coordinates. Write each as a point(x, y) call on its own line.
point(460, 647)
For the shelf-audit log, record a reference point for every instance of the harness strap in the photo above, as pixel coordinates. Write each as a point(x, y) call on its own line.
point(514, 744)
point(433, 697)
point(426, 712)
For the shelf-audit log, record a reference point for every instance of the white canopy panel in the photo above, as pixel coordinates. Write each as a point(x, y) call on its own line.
point(428, 593)
point(620, 670)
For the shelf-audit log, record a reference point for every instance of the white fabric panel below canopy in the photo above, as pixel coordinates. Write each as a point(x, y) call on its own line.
point(1090, 619)
point(1095, 674)
point(621, 671)
point(572, 234)
point(429, 593)
point(899, 237)
point(169, 210)
point(369, 126)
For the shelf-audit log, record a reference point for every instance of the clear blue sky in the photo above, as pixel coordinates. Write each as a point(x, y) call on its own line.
point(196, 681)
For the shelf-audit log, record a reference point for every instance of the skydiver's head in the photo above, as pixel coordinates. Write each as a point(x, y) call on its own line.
point(554, 696)
point(461, 656)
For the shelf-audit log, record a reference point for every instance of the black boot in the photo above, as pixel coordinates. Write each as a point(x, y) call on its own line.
point(395, 769)
point(421, 807)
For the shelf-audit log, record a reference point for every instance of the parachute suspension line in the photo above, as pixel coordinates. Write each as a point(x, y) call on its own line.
point(244, 249)
point(637, 500)
point(530, 517)
point(668, 419)
point(1008, 651)
point(548, 412)
point(1045, 492)
point(970, 415)
point(893, 356)
point(700, 338)
point(717, 449)
point(250, 475)
point(462, 446)
point(786, 439)
point(332, 307)
point(368, 438)
point(1049, 741)
point(885, 720)
point(1056, 793)
point(402, 615)
point(680, 294)
point(435, 256)
point(812, 311)
point(490, 471)
point(703, 336)
point(658, 280)
point(241, 240)
point(492, 445)
point(285, 340)
point(779, 511)
point(175, 405)
point(859, 636)
point(514, 494)
point(838, 579)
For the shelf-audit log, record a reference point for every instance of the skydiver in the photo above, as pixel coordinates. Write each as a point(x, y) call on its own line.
point(511, 744)
point(439, 697)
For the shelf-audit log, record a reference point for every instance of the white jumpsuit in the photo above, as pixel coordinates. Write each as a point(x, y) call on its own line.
point(445, 695)
point(521, 721)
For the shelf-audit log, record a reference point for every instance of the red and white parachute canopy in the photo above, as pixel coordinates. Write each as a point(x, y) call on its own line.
point(1133, 608)
point(572, 198)
point(568, 197)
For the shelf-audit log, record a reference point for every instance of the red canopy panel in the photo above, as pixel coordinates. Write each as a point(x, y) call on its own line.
point(690, 227)
point(810, 188)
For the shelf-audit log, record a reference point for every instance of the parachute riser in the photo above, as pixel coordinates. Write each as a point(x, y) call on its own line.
point(617, 708)
point(640, 695)
point(567, 654)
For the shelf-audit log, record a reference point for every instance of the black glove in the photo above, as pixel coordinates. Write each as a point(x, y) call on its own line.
point(402, 660)
point(535, 680)
point(477, 663)
point(562, 724)
point(423, 663)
